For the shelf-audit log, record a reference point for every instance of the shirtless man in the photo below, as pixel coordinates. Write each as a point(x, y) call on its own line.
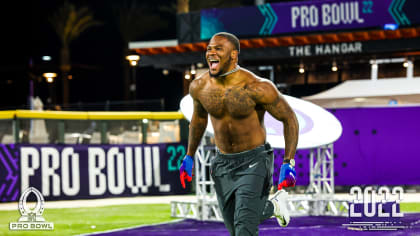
point(236, 100)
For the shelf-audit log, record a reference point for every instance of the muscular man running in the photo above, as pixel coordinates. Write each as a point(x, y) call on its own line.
point(236, 100)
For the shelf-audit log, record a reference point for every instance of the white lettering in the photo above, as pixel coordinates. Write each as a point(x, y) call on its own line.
point(66, 154)
point(358, 47)
point(96, 187)
point(313, 16)
point(327, 49)
point(295, 15)
point(307, 50)
point(319, 50)
point(292, 51)
point(366, 202)
point(344, 48)
point(156, 164)
point(304, 19)
point(49, 171)
point(345, 13)
point(341, 13)
point(335, 49)
point(356, 11)
point(335, 14)
point(25, 170)
point(326, 18)
point(148, 166)
point(115, 186)
point(308, 16)
point(299, 51)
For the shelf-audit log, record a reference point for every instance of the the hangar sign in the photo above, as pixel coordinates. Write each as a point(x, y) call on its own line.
point(325, 49)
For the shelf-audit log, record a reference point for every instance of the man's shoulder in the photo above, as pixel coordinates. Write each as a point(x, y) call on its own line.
point(255, 81)
point(198, 83)
point(200, 80)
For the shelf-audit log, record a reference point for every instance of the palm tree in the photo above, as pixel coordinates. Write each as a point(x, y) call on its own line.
point(69, 22)
point(182, 6)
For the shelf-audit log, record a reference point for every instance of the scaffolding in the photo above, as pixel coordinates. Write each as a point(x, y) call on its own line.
point(318, 199)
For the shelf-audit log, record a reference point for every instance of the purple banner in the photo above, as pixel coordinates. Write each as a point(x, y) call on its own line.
point(291, 17)
point(9, 173)
point(331, 15)
point(91, 171)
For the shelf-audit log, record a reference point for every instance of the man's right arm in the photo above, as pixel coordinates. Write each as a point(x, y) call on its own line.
point(197, 127)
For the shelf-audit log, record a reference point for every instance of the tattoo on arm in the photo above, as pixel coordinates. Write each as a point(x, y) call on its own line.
point(280, 110)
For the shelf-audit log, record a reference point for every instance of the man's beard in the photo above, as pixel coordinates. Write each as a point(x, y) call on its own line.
point(220, 71)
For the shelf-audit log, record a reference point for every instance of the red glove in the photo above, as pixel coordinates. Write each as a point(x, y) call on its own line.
point(185, 171)
point(287, 176)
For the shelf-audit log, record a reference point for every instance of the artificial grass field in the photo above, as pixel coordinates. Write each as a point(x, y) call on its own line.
point(71, 221)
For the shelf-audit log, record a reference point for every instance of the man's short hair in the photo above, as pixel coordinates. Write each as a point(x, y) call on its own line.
point(232, 39)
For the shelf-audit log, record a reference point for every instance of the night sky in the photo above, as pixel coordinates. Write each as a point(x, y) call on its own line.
point(96, 56)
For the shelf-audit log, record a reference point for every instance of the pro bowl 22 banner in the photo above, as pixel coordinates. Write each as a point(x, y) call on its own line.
point(90, 171)
point(304, 16)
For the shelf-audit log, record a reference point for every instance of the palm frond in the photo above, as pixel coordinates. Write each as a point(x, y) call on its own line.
point(69, 22)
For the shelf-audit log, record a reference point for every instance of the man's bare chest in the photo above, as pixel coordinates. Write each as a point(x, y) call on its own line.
point(233, 101)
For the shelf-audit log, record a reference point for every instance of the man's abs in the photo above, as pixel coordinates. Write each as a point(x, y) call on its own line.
point(233, 136)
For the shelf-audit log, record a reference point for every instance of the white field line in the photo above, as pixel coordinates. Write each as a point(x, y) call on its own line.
point(131, 227)
point(105, 202)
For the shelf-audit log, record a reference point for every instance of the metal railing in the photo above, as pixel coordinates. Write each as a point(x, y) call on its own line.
point(91, 127)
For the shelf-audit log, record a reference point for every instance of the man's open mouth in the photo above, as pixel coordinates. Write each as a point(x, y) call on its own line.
point(213, 63)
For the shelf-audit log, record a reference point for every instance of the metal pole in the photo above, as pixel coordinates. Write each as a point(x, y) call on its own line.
point(332, 176)
point(409, 69)
point(373, 70)
point(134, 88)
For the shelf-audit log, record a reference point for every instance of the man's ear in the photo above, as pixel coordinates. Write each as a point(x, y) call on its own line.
point(234, 54)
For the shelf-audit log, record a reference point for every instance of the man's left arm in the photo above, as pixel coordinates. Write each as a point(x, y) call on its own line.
point(277, 106)
point(274, 103)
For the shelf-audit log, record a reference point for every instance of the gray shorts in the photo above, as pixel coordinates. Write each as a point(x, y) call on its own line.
point(243, 182)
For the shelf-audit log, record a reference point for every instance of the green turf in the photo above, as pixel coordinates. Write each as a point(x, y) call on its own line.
point(410, 207)
point(71, 221)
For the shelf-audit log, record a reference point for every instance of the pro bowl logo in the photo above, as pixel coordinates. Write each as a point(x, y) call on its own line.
point(375, 208)
point(31, 219)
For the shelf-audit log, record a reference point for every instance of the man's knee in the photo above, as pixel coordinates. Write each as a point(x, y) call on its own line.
point(245, 229)
point(246, 221)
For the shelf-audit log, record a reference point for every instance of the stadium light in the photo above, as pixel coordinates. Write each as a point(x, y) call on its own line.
point(49, 76)
point(301, 68)
point(405, 64)
point(193, 71)
point(334, 66)
point(133, 59)
point(46, 58)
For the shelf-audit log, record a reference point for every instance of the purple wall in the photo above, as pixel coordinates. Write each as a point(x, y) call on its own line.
point(379, 146)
